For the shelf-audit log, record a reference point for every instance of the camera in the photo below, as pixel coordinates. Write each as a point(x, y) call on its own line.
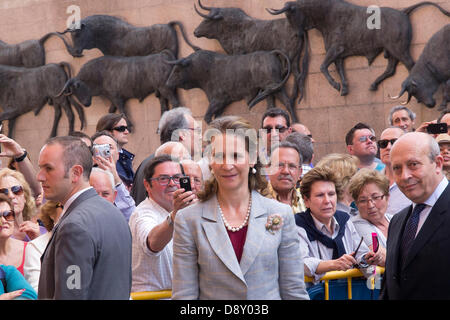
point(185, 183)
point(437, 128)
point(102, 150)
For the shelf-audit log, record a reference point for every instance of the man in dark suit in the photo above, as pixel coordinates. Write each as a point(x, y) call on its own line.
point(89, 253)
point(418, 241)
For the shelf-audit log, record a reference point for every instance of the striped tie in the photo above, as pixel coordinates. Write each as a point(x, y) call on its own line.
point(410, 231)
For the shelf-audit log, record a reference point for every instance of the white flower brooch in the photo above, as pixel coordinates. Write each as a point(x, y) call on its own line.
point(274, 223)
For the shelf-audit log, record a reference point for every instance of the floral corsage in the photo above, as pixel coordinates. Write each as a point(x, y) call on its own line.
point(274, 223)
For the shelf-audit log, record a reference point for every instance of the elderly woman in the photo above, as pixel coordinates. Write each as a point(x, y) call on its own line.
point(329, 240)
point(370, 189)
point(344, 167)
point(236, 244)
point(14, 186)
point(12, 251)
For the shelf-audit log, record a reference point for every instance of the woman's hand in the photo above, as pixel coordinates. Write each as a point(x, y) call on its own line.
point(10, 147)
point(31, 229)
point(345, 262)
point(11, 295)
point(378, 258)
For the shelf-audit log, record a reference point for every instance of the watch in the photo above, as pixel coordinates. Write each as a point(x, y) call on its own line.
point(22, 157)
point(169, 219)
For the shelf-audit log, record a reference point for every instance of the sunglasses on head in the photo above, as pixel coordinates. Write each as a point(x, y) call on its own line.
point(17, 190)
point(385, 142)
point(121, 128)
point(8, 215)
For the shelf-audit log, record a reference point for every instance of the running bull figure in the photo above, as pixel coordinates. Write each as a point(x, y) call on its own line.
point(239, 33)
point(115, 37)
point(122, 78)
point(226, 79)
point(345, 32)
point(431, 70)
point(26, 89)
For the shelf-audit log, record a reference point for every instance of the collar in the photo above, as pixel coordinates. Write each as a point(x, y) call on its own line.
point(436, 193)
point(157, 207)
point(322, 228)
point(71, 200)
point(295, 195)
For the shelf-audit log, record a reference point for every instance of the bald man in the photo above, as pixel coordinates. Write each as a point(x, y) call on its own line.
point(418, 243)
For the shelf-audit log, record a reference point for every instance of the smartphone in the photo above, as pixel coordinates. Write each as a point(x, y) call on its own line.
point(102, 150)
point(185, 183)
point(375, 243)
point(437, 128)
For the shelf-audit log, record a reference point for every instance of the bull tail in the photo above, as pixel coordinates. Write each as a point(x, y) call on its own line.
point(264, 94)
point(410, 9)
point(59, 35)
point(183, 34)
point(305, 65)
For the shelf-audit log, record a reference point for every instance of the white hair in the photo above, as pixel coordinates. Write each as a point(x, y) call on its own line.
point(175, 149)
point(108, 174)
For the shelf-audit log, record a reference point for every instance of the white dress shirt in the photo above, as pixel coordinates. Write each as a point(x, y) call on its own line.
point(151, 271)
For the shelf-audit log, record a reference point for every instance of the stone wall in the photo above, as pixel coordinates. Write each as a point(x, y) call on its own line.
point(328, 115)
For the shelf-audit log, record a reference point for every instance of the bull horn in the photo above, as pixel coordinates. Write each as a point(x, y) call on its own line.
point(203, 7)
point(279, 11)
point(66, 86)
point(407, 101)
point(201, 14)
point(399, 95)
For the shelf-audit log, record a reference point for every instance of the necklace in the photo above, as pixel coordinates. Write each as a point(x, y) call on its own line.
point(235, 229)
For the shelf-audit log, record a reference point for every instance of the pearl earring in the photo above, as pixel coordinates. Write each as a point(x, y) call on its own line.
point(253, 170)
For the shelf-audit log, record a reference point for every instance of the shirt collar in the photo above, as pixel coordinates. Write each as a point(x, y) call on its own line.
point(437, 192)
point(72, 199)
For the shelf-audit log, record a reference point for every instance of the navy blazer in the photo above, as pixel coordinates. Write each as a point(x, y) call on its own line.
point(424, 274)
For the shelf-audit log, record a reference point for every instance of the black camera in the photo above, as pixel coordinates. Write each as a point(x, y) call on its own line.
point(185, 183)
point(437, 128)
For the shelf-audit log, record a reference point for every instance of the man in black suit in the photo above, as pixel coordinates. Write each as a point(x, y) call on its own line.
point(89, 253)
point(418, 243)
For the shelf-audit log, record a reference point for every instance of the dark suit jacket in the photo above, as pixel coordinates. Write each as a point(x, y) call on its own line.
point(424, 274)
point(89, 253)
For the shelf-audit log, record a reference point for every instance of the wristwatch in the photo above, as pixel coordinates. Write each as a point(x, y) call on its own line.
point(22, 157)
point(169, 219)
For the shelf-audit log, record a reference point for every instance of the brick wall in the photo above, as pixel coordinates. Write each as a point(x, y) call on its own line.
point(328, 115)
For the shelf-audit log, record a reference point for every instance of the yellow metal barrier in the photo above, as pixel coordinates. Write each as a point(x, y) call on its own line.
point(349, 274)
point(151, 295)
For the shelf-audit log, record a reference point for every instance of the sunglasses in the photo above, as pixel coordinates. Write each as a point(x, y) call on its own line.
point(17, 190)
point(365, 138)
point(8, 215)
point(281, 129)
point(356, 251)
point(385, 142)
point(121, 128)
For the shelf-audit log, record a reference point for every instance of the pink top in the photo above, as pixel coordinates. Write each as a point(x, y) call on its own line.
point(238, 240)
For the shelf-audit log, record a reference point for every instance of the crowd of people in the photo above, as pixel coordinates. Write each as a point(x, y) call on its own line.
point(231, 212)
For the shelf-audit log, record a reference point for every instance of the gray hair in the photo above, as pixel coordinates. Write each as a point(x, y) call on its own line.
point(289, 144)
point(172, 120)
point(411, 114)
point(175, 149)
point(304, 145)
point(108, 174)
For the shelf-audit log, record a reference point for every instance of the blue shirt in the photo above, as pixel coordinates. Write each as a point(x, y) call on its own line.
point(16, 281)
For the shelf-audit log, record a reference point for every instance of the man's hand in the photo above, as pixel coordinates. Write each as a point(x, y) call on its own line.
point(182, 199)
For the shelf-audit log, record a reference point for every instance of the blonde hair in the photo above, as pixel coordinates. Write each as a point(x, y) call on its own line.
point(29, 210)
point(364, 177)
point(255, 180)
point(47, 214)
point(343, 165)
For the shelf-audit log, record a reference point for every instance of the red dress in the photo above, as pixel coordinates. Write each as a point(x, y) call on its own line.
point(238, 240)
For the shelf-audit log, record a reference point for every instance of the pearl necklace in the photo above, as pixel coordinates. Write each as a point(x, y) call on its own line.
point(236, 229)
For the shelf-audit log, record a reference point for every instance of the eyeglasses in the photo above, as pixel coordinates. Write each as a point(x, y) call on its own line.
point(197, 181)
point(385, 142)
point(364, 138)
point(365, 202)
point(164, 180)
point(17, 190)
point(121, 128)
point(280, 129)
point(290, 166)
point(8, 215)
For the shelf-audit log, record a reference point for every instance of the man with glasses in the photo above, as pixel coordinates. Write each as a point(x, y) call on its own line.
point(151, 225)
point(362, 143)
point(397, 200)
point(117, 125)
point(284, 172)
point(276, 125)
